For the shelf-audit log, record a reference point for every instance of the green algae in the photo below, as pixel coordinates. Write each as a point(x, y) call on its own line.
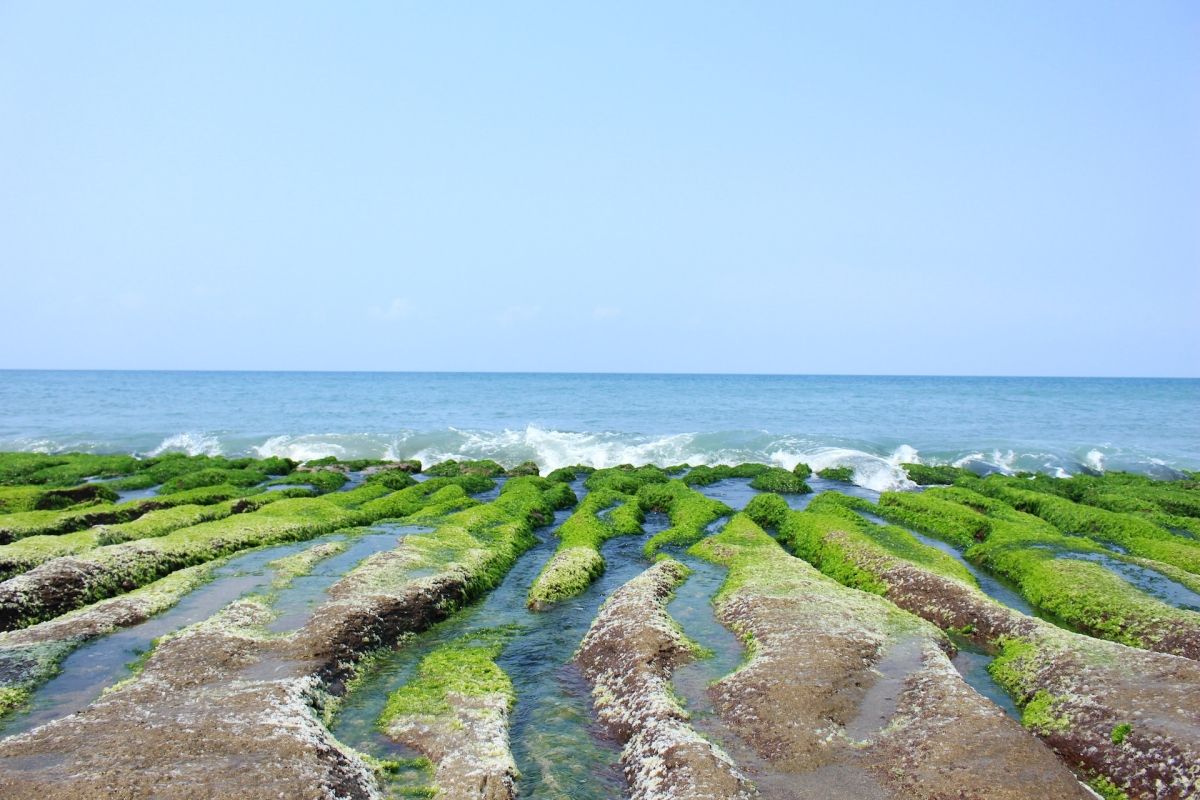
point(1119, 491)
point(15, 499)
point(36, 523)
point(705, 475)
point(112, 569)
point(940, 517)
point(1137, 535)
point(467, 666)
point(12, 698)
point(690, 513)
point(1025, 549)
point(835, 539)
point(577, 560)
point(70, 469)
point(625, 494)
point(323, 480)
point(453, 469)
point(64, 469)
point(1015, 670)
point(933, 475)
point(1107, 789)
point(213, 477)
point(568, 474)
point(481, 540)
point(780, 481)
point(625, 478)
point(393, 479)
point(843, 474)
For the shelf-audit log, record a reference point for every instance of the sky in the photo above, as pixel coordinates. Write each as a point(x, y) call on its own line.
point(835, 188)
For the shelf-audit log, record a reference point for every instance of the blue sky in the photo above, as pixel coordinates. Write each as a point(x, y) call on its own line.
point(929, 188)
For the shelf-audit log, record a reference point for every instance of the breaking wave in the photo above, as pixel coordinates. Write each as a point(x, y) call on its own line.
point(875, 466)
point(194, 444)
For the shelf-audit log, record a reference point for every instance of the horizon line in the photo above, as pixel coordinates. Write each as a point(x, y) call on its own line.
point(603, 373)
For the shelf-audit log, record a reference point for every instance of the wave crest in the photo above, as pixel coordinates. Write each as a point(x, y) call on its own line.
point(874, 466)
point(192, 443)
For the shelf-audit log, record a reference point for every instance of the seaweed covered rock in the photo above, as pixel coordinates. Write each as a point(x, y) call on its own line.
point(455, 712)
point(1075, 690)
point(452, 469)
point(933, 475)
point(845, 695)
point(780, 481)
point(843, 474)
point(704, 475)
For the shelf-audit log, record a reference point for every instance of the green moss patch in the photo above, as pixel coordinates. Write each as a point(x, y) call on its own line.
point(453, 469)
point(466, 666)
point(779, 481)
point(844, 474)
point(690, 512)
point(577, 560)
point(704, 475)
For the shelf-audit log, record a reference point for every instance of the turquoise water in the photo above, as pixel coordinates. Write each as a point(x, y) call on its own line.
point(1057, 425)
point(554, 742)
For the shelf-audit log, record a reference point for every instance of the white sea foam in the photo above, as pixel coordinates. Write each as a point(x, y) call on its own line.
point(880, 473)
point(300, 448)
point(997, 461)
point(551, 448)
point(192, 443)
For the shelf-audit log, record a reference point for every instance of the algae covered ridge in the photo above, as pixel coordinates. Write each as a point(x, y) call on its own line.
point(205, 627)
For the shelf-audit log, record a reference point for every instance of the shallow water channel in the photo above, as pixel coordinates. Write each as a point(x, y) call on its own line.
point(971, 661)
point(737, 492)
point(999, 590)
point(1148, 580)
point(558, 749)
point(296, 603)
point(693, 609)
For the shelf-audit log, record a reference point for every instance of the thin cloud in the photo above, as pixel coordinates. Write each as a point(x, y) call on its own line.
point(399, 308)
point(606, 312)
point(512, 315)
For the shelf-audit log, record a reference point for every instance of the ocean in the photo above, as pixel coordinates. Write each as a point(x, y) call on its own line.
point(873, 423)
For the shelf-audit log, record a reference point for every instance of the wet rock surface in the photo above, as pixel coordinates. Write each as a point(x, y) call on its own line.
point(191, 726)
point(832, 676)
point(628, 656)
point(224, 709)
point(1094, 685)
point(469, 747)
point(838, 682)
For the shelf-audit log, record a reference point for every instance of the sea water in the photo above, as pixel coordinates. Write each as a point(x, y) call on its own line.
point(1056, 425)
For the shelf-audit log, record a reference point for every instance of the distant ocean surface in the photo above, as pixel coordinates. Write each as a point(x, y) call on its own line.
point(1055, 425)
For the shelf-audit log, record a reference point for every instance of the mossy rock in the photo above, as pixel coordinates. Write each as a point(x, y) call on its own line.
point(927, 475)
point(780, 481)
point(704, 474)
point(452, 469)
point(843, 474)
